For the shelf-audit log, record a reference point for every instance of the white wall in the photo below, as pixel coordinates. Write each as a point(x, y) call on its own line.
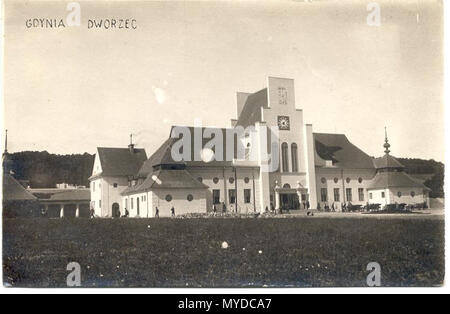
point(330, 173)
point(224, 185)
point(179, 202)
point(391, 196)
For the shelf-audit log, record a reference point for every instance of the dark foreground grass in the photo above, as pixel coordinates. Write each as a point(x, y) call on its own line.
point(300, 252)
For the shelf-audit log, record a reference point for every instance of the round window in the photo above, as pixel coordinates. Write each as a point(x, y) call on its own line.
point(169, 198)
point(190, 198)
point(336, 180)
point(348, 180)
point(323, 180)
point(287, 186)
point(399, 194)
point(231, 180)
point(247, 180)
point(413, 193)
point(200, 179)
point(216, 180)
point(360, 180)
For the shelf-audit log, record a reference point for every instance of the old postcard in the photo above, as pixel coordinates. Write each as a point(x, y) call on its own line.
point(223, 144)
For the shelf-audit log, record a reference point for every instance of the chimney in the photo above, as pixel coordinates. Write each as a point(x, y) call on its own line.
point(131, 146)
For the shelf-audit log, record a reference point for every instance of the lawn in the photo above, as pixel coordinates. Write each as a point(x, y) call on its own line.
point(291, 252)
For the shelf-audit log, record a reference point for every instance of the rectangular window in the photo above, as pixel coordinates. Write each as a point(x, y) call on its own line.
point(324, 194)
point(132, 203)
point(100, 204)
point(337, 195)
point(383, 195)
point(216, 196)
point(93, 186)
point(370, 195)
point(361, 194)
point(348, 193)
point(247, 196)
point(232, 196)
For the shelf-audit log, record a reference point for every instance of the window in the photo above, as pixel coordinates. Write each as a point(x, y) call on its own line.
point(100, 204)
point(349, 195)
point(132, 203)
point(337, 195)
point(324, 194)
point(231, 180)
point(246, 180)
point(216, 180)
point(361, 194)
point(190, 198)
point(360, 180)
point(282, 96)
point(348, 180)
point(216, 196)
point(287, 186)
point(247, 196)
point(336, 180)
point(115, 185)
point(93, 186)
point(323, 180)
point(284, 157)
point(294, 153)
point(169, 198)
point(383, 195)
point(370, 195)
point(413, 193)
point(200, 179)
point(399, 194)
point(232, 196)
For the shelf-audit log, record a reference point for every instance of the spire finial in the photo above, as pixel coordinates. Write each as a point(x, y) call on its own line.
point(386, 142)
point(131, 138)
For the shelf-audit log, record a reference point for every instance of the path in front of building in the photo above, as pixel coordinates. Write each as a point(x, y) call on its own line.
point(432, 213)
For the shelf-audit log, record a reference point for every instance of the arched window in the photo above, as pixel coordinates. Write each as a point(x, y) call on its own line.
point(284, 157)
point(294, 153)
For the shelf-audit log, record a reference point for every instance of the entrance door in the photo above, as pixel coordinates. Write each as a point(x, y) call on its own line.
point(115, 210)
point(289, 201)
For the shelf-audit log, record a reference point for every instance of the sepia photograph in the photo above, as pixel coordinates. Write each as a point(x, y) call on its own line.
point(223, 144)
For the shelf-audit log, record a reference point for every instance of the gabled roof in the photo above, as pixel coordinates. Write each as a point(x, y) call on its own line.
point(14, 191)
point(120, 161)
point(161, 156)
point(224, 133)
point(251, 113)
point(394, 179)
point(338, 149)
point(166, 179)
point(387, 161)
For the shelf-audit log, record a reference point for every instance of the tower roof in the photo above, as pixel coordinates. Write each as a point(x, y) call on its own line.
point(387, 161)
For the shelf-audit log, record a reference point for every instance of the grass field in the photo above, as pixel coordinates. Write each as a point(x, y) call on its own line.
point(300, 252)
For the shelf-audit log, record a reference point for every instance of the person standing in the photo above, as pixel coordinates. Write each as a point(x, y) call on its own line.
point(157, 212)
point(173, 211)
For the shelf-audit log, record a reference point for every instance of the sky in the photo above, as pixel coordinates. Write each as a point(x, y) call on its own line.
point(70, 90)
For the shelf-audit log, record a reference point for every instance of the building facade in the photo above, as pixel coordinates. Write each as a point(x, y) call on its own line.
point(267, 159)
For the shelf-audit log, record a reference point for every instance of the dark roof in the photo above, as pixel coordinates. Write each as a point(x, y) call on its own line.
point(72, 195)
point(214, 163)
point(394, 179)
point(387, 161)
point(14, 191)
point(251, 113)
point(161, 156)
point(167, 179)
point(120, 161)
point(338, 149)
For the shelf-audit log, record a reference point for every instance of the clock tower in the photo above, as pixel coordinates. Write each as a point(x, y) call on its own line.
point(295, 179)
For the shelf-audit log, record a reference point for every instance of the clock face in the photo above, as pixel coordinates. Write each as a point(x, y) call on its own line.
point(283, 123)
